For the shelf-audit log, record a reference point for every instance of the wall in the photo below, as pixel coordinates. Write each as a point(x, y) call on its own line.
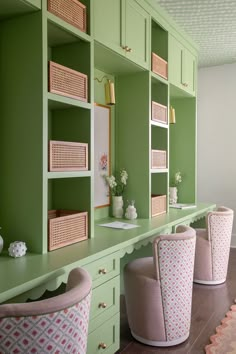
point(217, 137)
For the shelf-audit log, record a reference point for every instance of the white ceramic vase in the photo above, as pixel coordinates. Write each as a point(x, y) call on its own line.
point(117, 206)
point(173, 195)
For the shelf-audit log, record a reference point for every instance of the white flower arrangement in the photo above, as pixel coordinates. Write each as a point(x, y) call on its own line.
point(177, 179)
point(117, 186)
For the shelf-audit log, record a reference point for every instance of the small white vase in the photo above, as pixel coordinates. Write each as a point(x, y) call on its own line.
point(117, 206)
point(173, 195)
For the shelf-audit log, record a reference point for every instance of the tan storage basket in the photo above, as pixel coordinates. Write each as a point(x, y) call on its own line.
point(158, 204)
point(67, 82)
point(159, 159)
point(159, 113)
point(71, 11)
point(67, 156)
point(66, 227)
point(159, 66)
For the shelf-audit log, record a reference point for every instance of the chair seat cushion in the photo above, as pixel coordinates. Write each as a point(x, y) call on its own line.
point(143, 300)
point(203, 258)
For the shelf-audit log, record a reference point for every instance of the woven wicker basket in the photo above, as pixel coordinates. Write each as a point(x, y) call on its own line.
point(67, 156)
point(67, 82)
point(159, 113)
point(158, 204)
point(71, 11)
point(159, 66)
point(159, 159)
point(66, 227)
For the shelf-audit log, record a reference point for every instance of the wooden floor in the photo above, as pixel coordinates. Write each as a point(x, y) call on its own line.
point(209, 306)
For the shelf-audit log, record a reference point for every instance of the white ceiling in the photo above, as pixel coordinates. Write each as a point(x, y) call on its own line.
point(210, 23)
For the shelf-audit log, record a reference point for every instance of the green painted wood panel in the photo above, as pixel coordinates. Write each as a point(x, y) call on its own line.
point(175, 62)
point(107, 24)
point(183, 147)
point(133, 137)
point(21, 130)
point(136, 33)
point(189, 72)
point(12, 8)
point(182, 67)
point(109, 334)
point(105, 303)
point(159, 40)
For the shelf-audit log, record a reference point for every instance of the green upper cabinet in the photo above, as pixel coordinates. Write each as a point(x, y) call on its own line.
point(123, 25)
point(107, 23)
point(135, 32)
point(182, 67)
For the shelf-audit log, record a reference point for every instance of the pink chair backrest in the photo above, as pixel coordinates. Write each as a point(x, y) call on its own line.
point(174, 257)
point(55, 325)
point(219, 226)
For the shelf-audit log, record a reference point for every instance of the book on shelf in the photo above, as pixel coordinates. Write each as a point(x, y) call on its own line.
point(182, 206)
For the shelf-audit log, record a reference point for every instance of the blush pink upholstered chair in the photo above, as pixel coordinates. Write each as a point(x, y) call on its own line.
point(55, 325)
point(213, 246)
point(158, 290)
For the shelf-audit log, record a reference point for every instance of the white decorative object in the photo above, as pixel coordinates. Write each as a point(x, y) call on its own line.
point(173, 195)
point(117, 206)
point(1, 243)
point(131, 212)
point(17, 249)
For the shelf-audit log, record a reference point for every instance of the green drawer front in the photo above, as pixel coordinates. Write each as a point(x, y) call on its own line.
point(107, 336)
point(105, 303)
point(104, 269)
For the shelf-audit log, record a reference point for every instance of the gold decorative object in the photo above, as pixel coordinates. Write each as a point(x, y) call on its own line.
point(172, 115)
point(109, 90)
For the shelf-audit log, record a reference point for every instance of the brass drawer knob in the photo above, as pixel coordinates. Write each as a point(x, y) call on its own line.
point(129, 50)
point(125, 48)
point(102, 305)
point(102, 271)
point(102, 346)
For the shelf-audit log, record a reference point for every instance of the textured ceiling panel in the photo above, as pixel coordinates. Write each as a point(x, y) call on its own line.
point(211, 24)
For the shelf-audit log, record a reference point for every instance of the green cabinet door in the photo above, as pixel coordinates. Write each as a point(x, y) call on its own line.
point(175, 62)
point(182, 66)
point(135, 34)
point(188, 73)
point(123, 25)
point(107, 24)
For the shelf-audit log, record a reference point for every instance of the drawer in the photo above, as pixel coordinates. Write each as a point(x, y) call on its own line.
point(105, 303)
point(106, 338)
point(104, 269)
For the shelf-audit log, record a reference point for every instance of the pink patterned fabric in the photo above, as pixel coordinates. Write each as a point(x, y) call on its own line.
point(63, 331)
point(158, 290)
point(218, 238)
point(176, 261)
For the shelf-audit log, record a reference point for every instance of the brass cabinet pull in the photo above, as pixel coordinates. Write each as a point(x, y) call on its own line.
point(125, 48)
point(102, 271)
point(129, 50)
point(185, 84)
point(102, 305)
point(102, 346)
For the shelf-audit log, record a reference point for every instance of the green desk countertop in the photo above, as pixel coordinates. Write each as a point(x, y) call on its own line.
point(19, 275)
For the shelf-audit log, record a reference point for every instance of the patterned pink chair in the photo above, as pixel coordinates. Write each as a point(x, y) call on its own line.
point(55, 325)
point(158, 290)
point(212, 247)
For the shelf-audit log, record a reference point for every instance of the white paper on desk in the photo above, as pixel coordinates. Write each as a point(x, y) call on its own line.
point(119, 225)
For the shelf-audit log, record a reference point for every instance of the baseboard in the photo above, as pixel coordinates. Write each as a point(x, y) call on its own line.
point(233, 241)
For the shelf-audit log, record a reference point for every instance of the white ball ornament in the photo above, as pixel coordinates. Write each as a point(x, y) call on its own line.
point(17, 249)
